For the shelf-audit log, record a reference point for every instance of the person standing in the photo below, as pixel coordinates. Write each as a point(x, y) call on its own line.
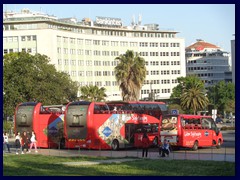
point(145, 144)
point(25, 140)
point(18, 140)
point(6, 142)
point(33, 142)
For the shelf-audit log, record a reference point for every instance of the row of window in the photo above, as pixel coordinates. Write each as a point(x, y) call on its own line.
point(111, 63)
point(156, 91)
point(163, 63)
point(114, 43)
point(29, 50)
point(110, 53)
point(159, 53)
point(111, 73)
point(114, 32)
point(10, 39)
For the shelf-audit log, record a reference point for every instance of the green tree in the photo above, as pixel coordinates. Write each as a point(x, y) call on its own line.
point(130, 74)
point(93, 93)
point(31, 78)
point(222, 96)
point(191, 93)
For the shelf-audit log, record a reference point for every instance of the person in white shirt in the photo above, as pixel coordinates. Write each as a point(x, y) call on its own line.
point(18, 143)
point(6, 143)
point(33, 142)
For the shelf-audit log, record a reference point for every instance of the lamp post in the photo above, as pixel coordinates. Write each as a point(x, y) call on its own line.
point(151, 94)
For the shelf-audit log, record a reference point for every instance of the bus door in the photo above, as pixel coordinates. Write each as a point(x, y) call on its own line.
point(129, 132)
point(207, 131)
point(76, 121)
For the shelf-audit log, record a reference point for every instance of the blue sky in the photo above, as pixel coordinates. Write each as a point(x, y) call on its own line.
point(214, 23)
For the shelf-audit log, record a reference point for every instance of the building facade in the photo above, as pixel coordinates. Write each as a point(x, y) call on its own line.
point(87, 49)
point(233, 59)
point(209, 62)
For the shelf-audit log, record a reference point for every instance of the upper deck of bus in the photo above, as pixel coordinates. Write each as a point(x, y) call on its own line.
point(121, 107)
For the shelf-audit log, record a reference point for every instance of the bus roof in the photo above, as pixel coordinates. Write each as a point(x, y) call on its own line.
point(188, 116)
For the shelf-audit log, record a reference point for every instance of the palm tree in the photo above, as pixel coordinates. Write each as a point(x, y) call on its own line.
point(130, 74)
point(193, 94)
point(93, 93)
point(194, 98)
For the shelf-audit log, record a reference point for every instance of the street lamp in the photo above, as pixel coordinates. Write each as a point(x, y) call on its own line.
point(151, 92)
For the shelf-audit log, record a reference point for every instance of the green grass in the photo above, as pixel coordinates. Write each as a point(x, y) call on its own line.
point(39, 165)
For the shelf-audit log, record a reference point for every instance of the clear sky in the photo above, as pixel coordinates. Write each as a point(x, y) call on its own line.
point(214, 23)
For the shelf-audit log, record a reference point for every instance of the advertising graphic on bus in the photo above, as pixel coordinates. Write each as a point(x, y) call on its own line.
point(111, 125)
point(45, 121)
point(190, 131)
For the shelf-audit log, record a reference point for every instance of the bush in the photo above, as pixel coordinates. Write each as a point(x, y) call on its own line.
point(224, 128)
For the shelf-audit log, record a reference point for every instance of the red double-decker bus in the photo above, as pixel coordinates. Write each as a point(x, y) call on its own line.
point(111, 125)
point(45, 121)
point(191, 131)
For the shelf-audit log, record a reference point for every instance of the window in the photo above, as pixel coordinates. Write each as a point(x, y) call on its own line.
point(34, 38)
point(23, 38)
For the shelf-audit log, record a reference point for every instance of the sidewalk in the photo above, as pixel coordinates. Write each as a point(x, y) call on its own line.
point(134, 155)
point(96, 162)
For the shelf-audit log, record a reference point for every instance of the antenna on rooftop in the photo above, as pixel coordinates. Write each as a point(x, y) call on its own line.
point(133, 20)
point(139, 19)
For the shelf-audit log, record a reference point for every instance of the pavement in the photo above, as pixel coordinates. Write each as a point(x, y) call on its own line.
point(133, 155)
point(96, 162)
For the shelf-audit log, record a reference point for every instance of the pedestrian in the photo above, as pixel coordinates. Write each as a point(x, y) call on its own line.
point(6, 142)
point(145, 144)
point(33, 142)
point(18, 140)
point(164, 149)
point(25, 141)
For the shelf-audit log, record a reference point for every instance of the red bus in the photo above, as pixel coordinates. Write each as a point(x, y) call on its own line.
point(45, 121)
point(191, 131)
point(111, 125)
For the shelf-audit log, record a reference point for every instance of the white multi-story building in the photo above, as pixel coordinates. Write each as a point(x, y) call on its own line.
point(233, 59)
point(208, 61)
point(87, 49)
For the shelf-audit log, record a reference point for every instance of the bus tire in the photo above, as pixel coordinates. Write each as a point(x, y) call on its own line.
point(115, 145)
point(218, 144)
point(195, 146)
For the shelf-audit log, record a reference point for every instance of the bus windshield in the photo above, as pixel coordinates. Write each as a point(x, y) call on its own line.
point(169, 122)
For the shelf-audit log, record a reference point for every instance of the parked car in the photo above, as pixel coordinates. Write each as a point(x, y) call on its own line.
point(219, 120)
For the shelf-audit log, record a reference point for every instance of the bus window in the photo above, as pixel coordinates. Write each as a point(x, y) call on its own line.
point(206, 123)
point(169, 123)
point(76, 120)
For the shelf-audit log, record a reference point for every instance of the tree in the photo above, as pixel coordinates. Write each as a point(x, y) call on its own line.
point(222, 96)
point(194, 99)
point(31, 78)
point(130, 73)
point(93, 93)
point(191, 93)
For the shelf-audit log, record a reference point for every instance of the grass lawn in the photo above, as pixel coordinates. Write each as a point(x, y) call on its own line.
point(39, 165)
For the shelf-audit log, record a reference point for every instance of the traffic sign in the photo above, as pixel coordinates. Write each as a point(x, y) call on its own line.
point(175, 111)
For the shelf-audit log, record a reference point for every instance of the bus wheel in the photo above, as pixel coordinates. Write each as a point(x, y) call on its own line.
point(115, 145)
point(219, 144)
point(195, 146)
